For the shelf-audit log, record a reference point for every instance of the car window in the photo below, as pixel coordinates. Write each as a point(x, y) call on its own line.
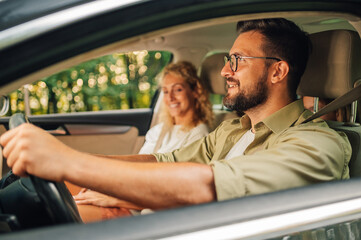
point(116, 81)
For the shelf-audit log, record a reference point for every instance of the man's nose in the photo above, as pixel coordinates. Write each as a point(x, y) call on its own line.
point(227, 71)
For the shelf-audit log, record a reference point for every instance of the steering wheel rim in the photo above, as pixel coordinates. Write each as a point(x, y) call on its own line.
point(55, 196)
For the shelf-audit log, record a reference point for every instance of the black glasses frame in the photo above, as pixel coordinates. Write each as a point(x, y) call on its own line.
point(237, 57)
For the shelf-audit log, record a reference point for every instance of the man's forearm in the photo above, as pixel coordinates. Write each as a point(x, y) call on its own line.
point(131, 158)
point(154, 185)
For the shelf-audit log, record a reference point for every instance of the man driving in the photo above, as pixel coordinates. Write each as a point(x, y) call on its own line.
point(267, 149)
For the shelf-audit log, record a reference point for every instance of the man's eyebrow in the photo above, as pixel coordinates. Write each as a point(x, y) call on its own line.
point(237, 54)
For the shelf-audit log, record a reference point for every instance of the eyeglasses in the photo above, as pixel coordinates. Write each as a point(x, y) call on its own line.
point(233, 60)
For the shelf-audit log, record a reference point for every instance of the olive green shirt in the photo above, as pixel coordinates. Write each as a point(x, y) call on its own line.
point(284, 153)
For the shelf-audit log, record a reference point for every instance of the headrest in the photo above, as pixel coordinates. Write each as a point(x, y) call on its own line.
point(333, 65)
point(210, 73)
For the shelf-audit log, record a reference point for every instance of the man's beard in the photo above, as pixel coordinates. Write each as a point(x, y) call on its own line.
point(243, 102)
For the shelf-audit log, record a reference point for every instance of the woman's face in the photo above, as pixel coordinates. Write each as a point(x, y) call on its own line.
point(178, 98)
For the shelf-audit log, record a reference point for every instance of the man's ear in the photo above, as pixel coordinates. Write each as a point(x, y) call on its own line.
point(280, 71)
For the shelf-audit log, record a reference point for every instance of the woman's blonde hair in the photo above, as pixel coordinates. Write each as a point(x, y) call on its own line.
point(202, 106)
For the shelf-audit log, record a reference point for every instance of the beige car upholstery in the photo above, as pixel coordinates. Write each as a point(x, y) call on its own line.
point(210, 74)
point(109, 144)
point(334, 64)
point(332, 70)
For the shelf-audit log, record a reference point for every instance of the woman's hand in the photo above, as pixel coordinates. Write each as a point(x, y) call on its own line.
point(89, 197)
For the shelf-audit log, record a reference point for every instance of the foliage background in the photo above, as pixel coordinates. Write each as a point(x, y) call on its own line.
point(116, 81)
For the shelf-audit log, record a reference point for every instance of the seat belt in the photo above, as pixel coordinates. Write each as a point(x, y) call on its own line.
point(347, 98)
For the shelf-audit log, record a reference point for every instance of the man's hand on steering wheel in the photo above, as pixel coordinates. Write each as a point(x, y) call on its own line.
point(31, 150)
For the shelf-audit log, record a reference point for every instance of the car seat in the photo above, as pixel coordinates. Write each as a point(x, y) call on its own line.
point(332, 71)
point(210, 75)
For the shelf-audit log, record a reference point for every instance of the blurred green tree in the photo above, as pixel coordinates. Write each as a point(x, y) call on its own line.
point(116, 81)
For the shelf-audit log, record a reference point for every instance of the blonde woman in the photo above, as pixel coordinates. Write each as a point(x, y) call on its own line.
point(186, 113)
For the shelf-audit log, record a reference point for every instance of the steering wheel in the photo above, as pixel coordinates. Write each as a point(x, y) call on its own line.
point(55, 196)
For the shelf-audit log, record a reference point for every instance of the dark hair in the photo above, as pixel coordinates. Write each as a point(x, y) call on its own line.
point(284, 40)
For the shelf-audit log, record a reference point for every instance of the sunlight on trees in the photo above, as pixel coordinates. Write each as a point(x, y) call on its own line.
point(116, 81)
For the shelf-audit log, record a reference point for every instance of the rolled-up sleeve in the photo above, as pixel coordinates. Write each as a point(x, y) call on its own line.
point(200, 151)
point(298, 157)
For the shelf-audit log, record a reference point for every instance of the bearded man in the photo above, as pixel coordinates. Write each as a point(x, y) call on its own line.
point(265, 150)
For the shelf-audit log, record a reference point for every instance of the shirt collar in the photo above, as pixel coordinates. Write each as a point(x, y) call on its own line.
point(244, 122)
point(284, 118)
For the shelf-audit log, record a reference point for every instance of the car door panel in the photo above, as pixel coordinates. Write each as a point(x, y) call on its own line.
point(112, 144)
point(105, 132)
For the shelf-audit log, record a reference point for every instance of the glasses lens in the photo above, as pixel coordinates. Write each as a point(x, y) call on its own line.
point(233, 62)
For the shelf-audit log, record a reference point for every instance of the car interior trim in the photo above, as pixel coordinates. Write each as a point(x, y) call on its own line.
point(134, 117)
point(56, 20)
point(86, 129)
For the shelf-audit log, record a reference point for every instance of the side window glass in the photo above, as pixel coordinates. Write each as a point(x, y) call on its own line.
point(116, 81)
